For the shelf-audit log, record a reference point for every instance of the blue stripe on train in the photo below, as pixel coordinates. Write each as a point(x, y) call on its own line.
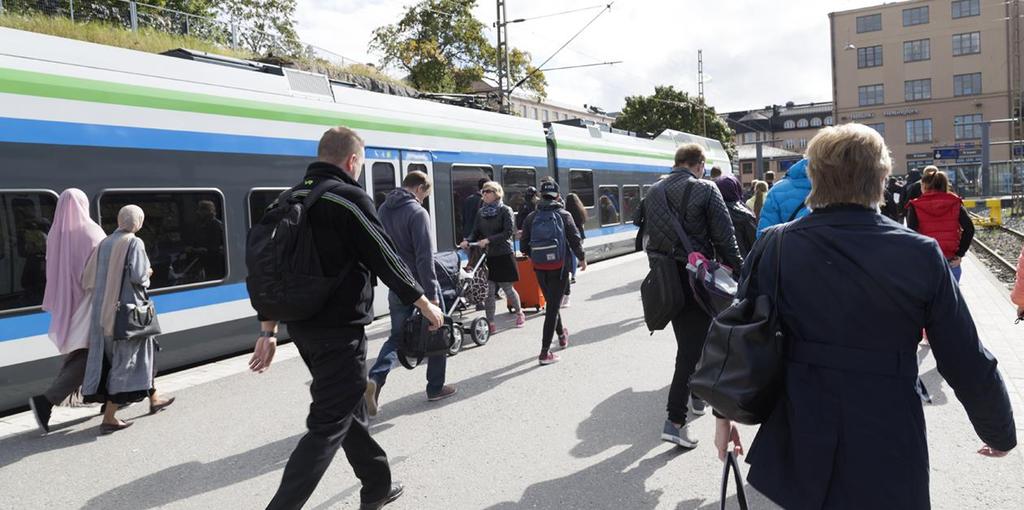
point(38, 323)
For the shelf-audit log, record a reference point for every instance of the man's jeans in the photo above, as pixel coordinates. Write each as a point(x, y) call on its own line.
point(388, 357)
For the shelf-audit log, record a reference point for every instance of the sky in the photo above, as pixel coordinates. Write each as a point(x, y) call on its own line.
point(756, 52)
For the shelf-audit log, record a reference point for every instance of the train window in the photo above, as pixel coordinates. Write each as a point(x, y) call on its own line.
point(420, 167)
point(259, 200)
point(466, 184)
point(608, 206)
point(25, 219)
point(646, 189)
point(581, 182)
point(183, 231)
point(515, 181)
point(630, 202)
point(383, 181)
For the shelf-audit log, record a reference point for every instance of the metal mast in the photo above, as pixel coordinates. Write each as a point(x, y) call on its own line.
point(1016, 91)
point(700, 91)
point(504, 81)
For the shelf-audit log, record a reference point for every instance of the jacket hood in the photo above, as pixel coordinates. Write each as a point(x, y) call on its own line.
point(547, 204)
point(798, 170)
point(399, 198)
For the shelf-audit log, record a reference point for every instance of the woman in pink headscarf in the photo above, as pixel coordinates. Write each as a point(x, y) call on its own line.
point(71, 240)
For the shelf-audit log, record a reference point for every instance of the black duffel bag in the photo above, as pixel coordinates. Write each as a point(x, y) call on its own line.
point(419, 342)
point(740, 373)
point(661, 292)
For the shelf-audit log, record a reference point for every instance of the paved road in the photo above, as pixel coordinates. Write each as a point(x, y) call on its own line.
point(582, 434)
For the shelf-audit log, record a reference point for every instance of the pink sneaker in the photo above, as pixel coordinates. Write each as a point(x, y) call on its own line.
point(549, 359)
point(492, 328)
point(563, 339)
point(520, 319)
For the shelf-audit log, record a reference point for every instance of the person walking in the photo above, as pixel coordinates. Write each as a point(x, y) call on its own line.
point(351, 244)
point(891, 206)
point(756, 201)
point(575, 206)
point(1017, 296)
point(408, 224)
point(529, 205)
point(940, 214)
point(71, 240)
point(743, 221)
point(785, 200)
point(848, 430)
point(493, 230)
point(551, 227)
point(912, 187)
point(119, 371)
point(705, 218)
point(471, 206)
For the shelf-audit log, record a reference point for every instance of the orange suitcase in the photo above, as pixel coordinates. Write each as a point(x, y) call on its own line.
point(530, 295)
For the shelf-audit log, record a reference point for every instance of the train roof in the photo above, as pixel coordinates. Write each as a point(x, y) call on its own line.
point(583, 145)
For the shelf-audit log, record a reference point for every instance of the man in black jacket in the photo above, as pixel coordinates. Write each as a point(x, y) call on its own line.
point(351, 244)
point(705, 220)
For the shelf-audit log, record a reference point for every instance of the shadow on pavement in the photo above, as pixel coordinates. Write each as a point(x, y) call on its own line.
point(628, 418)
point(631, 287)
point(27, 444)
point(754, 500)
point(604, 331)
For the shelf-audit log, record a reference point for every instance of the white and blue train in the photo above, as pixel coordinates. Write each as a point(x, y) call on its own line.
point(182, 138)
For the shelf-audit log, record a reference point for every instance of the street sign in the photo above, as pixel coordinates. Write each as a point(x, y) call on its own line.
point(946, 153)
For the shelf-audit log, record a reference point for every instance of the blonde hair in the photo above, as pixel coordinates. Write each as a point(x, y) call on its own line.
point(760, 192)
point(847, 164)
point(495, 187)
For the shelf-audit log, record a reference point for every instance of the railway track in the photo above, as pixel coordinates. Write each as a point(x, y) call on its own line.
point(997, 245)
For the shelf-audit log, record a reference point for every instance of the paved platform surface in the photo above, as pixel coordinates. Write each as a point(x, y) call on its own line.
point(581, 434)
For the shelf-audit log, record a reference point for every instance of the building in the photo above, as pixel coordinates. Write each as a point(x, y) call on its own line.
point(791, 126)
point(924, 74)
point(773, 159)
point(550, 111)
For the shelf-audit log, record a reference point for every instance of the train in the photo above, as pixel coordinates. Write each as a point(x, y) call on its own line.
point(204, 143)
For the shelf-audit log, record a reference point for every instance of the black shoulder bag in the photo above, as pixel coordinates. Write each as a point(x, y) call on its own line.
point(741, 369)
point(662, 290)
point(134, 321)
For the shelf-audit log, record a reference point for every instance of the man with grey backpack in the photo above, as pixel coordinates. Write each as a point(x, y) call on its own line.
point(697, 208)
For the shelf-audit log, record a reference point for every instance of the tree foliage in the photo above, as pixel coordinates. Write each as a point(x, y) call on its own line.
point(674, 109)
point(267, 26)
point(443, 48)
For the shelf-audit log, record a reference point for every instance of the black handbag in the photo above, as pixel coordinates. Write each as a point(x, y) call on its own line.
point(135, 320)
point(417, 339)
point(741, 494)
point(740, 372)
point(661, 292)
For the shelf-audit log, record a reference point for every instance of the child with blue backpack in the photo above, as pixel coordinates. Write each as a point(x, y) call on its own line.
point(549, 236)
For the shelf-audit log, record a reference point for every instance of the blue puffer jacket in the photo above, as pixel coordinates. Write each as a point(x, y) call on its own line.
point(786, 197)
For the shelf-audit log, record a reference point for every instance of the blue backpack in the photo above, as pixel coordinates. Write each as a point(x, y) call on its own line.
point(547, 240)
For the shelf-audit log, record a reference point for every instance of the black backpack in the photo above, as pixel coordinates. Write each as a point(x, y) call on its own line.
point(286, 281)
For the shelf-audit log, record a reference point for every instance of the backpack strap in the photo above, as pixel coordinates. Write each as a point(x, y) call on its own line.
point(799, 208)
point(661, 195)
point(318, 191)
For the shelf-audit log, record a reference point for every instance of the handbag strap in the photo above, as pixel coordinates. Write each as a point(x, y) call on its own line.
point(797, 211)
point(741, 494)
point(661, 194)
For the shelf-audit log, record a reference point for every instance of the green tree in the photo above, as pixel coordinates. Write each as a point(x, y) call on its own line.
point(443, 48)
point(674, 109)
point(265, 26)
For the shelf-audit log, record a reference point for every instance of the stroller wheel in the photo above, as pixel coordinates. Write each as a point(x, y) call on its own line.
point(408, 361)
point(455, 341)
point(480, 331)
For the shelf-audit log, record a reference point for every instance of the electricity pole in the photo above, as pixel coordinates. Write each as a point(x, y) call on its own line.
point(700, 92)
point(504, 81)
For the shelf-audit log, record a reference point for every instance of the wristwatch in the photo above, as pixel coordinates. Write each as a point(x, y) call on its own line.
point(267, 334)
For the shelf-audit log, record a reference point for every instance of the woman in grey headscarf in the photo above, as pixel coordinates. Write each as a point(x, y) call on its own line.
point(119, 372)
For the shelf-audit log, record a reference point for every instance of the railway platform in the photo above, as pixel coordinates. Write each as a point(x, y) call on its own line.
point(583, 433)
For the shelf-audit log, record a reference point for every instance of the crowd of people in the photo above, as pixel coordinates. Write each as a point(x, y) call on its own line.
point(847, 432)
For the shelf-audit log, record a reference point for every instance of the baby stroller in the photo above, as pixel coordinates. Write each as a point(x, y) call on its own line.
point(453, 282)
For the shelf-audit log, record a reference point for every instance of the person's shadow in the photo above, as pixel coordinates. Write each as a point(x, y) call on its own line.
point(624, 419)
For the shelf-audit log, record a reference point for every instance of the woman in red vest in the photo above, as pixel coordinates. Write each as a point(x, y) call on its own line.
point(940, 214)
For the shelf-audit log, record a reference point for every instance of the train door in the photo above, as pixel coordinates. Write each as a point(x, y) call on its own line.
point(381, 175)
point(421, 161)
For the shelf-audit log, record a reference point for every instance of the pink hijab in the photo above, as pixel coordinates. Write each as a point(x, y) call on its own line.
point(71, 240)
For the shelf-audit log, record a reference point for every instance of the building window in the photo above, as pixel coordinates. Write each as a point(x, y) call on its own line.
point(465, 182)
point(749, 137)
point(260, 200)
point(803, 143)
point(535, 115)
point(916, 90)
point(523, 110)
point(828, 120)
point(966, 8)
point(869, 23)
point(630, 202)
point(789, 144)
point(914, 51)
point(581, 182)
point(789, 124)
point(915, 16)
point(967, 84)
point(747, 168)
point(919, 131)
point(868, 95)
point(966, 44)
point(815, 122)
point(515, 180)
point(25, 220)
point(802, 123)
point(183, 232)
point(869, 57)
point(547, 115)
point(880, 127)
point(967, 127)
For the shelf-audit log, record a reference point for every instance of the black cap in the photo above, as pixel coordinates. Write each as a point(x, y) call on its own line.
point(549, 189)
point(531, 191)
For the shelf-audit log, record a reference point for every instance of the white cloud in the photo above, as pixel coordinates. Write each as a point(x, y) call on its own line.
point(756, 52)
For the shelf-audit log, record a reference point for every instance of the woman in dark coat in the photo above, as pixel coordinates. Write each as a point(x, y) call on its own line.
point(493, 230)
point(848, 431)
point(743, 220)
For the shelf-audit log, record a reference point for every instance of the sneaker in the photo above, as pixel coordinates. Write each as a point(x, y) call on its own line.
point(565, 302)
point(549, 359)
point(394, 493)
point(41, 409)
point(563, 339)
point(680, 436)
point(520, 320)
point(492, 328)
point(698, 406)
point(446, 391)
point(372, 391)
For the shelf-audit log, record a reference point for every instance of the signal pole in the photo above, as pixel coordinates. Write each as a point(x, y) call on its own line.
point(504, 81)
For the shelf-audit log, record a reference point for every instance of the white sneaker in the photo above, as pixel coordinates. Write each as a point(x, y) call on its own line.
point(681, 436)
point(697, 406)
